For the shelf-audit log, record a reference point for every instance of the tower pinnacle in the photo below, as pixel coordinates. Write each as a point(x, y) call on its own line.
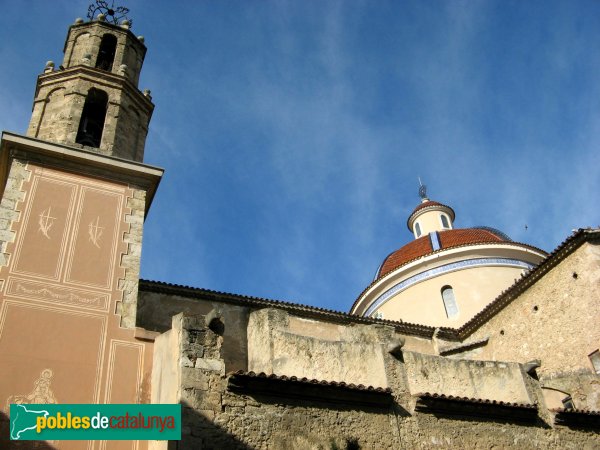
point(422, 191)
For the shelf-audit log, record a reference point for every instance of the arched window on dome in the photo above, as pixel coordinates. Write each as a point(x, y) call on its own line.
point(445, 222)
point(449, 302)
point(417, 229)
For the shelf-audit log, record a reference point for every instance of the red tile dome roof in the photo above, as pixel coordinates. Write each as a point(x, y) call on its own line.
point(448, 239)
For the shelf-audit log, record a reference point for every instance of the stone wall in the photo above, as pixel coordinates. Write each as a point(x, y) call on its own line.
point(59, 104)
point(583, 388)
point(130, 261)
point(247, 411)
point(13, 193)
point(491, 380)
point(555, 320)
point(155, 310)
point(286, 345)
point(156, 307)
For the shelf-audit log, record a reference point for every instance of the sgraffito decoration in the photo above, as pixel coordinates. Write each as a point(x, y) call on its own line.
point(46, 221)
point(41, 393)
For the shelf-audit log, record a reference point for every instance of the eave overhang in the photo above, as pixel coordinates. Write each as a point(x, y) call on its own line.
point(15, 146)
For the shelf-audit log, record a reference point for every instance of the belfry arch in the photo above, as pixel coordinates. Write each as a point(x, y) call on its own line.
point(106, 54)
point(92, 120)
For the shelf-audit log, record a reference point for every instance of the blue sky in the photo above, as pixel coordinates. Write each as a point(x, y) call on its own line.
point(293, 133)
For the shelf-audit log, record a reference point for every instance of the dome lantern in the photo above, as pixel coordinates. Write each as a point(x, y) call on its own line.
point(430, 216)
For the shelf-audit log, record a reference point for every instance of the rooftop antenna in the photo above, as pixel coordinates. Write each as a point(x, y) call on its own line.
point(422, 190)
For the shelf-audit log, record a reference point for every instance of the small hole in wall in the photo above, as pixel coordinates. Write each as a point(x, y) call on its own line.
point(575, 275)
point(502, 332)
point(352, 444)
point(535, 308)
point(217, 326)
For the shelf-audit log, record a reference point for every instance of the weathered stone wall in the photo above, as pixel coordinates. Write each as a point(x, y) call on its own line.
point(555, 320)
point(217, 414)
point(584, 389)
point(59, 103)
point(9, 214)
point(286, 345)
point(83, 45)
point(155, 310)
point(491, 380)
point(425, 431)
point(130, 261)
point(61, 94)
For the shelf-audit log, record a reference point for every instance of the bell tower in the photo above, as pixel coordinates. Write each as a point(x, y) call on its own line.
point(92, 100)
point(74, 196)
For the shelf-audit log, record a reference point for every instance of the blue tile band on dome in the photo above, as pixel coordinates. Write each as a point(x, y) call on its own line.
point(435, 241)
point(507, 262)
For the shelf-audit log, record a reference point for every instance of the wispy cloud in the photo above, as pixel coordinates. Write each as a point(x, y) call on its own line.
point(293, 132)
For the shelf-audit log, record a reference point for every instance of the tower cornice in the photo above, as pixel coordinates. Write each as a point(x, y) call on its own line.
point(100, 24)
point(15, 146)
point(100, 78)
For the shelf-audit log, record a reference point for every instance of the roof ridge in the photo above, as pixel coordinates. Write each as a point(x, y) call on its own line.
point(164, 287)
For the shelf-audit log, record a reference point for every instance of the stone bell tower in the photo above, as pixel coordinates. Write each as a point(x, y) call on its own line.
point(92, 100)
point(75, 194)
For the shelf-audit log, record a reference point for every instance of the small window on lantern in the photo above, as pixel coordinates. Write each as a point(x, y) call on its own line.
point(445, 222)
point(417, 229)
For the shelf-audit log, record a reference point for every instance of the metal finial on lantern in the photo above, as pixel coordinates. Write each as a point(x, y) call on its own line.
point(422, 190)
point(113, 14)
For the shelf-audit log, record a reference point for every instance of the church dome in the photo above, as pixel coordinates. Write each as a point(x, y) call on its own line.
point(445, 240)
point(446, 275)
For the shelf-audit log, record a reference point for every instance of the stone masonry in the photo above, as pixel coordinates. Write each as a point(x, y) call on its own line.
point(238, 410)
point(9, 212)
point(131, 260)
point(61, 94)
